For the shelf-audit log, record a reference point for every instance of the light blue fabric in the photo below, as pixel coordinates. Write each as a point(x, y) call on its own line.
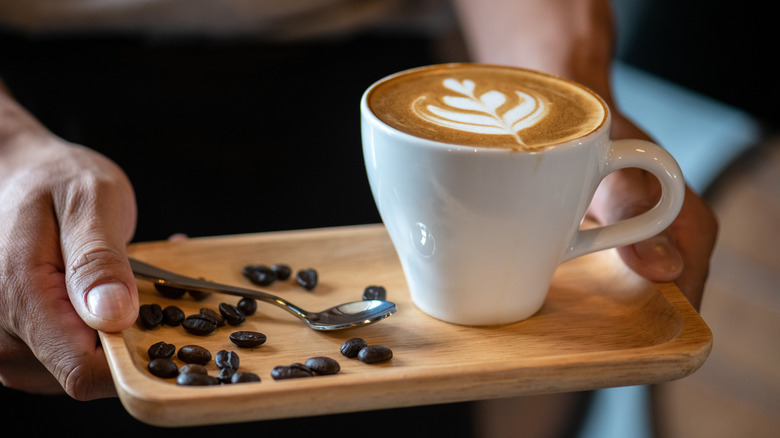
point(704, 136)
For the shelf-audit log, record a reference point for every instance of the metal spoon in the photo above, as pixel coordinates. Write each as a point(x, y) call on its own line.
point(347, 315)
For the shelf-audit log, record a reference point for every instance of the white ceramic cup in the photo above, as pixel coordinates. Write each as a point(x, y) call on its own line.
point(480, 231)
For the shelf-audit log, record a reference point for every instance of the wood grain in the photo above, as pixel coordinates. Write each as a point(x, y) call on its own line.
point(601, 326)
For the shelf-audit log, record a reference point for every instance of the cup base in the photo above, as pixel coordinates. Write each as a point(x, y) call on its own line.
point(474, 320)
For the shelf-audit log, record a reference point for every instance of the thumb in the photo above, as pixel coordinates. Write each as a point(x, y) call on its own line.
point(627, 193)
point(101, 287)
point(97, 220)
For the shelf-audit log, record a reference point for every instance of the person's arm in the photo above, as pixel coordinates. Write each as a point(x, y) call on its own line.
point(66, 215)
point(575, 39)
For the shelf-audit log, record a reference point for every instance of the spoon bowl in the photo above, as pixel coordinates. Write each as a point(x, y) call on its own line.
point(342, 316)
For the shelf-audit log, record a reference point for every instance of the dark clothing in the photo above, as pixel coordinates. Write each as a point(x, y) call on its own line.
point(218, 138)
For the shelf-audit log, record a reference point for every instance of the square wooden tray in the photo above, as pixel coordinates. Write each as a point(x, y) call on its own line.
point(601, 326)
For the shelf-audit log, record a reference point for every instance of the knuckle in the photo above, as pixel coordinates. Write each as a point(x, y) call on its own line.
point(92, 263)
point(71, 369)
point(76, 382)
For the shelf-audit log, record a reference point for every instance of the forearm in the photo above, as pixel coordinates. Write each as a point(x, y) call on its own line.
point(569, 38)
point(19, 130)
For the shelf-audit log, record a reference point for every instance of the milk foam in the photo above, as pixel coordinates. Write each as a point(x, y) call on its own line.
point(491, 113)
point(487, 106)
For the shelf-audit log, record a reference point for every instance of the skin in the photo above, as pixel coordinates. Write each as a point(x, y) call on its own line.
point(67, 213)
point(574, 39)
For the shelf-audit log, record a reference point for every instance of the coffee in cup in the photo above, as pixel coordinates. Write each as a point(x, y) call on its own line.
point(487, 106)
point(482, 176)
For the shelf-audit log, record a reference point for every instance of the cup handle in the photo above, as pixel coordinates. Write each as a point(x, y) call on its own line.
point(654, 159)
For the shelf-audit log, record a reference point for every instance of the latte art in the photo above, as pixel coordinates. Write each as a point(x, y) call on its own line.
point(490, 113)
point(487, 106)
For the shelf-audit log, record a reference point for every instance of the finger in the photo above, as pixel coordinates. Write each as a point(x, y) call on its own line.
point(176, 237)
point(61, 341)
point(695, 231)
point(657, 258)
point(97, 220)
point(625, 194)
point(21, 370)
point(45, 346)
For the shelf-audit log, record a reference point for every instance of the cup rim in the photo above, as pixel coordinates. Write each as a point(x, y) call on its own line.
point(598, 131)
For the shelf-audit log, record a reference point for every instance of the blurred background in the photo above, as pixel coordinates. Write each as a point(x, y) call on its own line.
point(188, 117)
point(699, 77)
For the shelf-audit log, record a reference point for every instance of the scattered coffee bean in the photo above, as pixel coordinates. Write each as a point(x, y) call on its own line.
point(193, 368)
point(247, 339)
point(282, 271)
point(195, 379)
point(231, 314)
point(226, 359)
point(194, 354)
point(161, 350)
point(150, 315)
point(260, 275)
point(163, 367)
point(374, 293)
point(307, 278)
point(199, 324)
point(226, 375)
point(173, 316)
point(219, 320)
point(293, 371)
point(351, 347)
point(169, 291)
point(248, 306)
point(198, 295)
point(323, 365)
point(244, 377)
point(375, 354)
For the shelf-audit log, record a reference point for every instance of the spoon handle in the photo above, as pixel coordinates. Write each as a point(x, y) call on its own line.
point(167, 278)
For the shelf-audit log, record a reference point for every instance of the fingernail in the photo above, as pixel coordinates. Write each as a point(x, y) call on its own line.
point(110, 301)
point(660, 254)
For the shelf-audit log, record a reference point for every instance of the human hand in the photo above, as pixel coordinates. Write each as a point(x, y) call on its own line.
point(66, 214)
point(682, 252)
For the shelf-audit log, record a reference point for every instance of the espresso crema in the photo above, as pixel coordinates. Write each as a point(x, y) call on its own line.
point(487, 106)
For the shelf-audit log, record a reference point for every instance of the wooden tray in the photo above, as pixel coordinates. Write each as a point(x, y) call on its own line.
point(601, 326)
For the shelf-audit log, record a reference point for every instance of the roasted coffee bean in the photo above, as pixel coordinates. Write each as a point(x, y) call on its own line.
point(193, 368)
point(282, 271)
point(293, 371)
point(199, 324)
point(248, 306)
point(198, 295)
point(169, 291)
point(259, 274)
point(231, 314)
point(219, 320)
point(194, 354)
point(161, 350)
point(375, 354)
point(323, 365)
point(244, 377)
point(173, 316)
point(247, 339)
point(307, 278)
point(226, 359)
point(150, 315)
point(374, 293)
point(225, 375)
point(163, 367)
point(195, 379)
point(351, 347)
